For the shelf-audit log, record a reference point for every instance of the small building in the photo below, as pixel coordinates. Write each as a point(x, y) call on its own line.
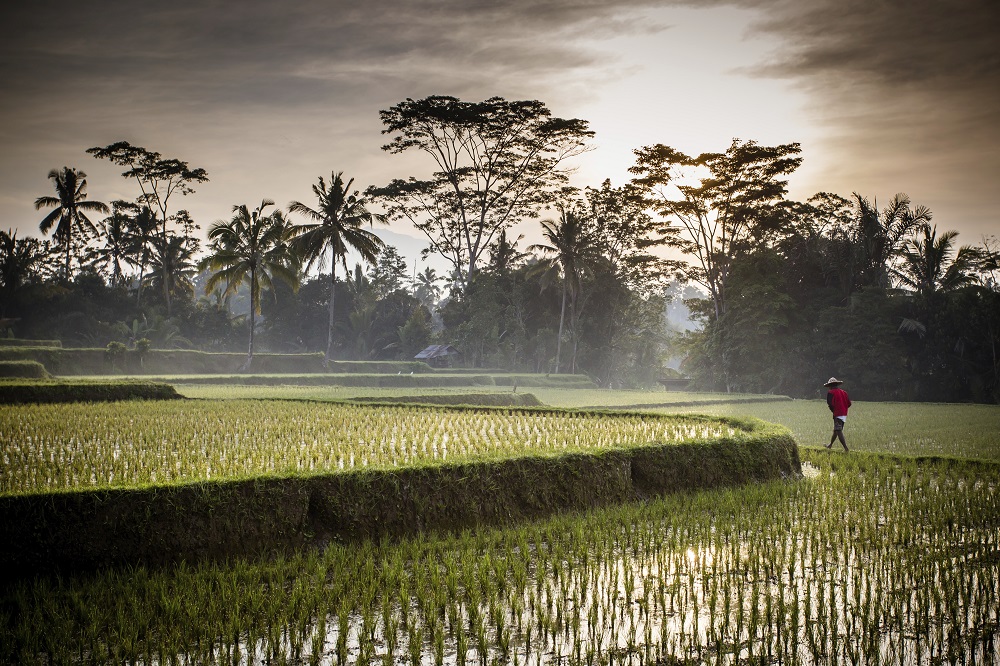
point(438, 356)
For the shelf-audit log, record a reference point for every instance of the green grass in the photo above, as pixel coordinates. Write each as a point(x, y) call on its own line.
point(907, 429)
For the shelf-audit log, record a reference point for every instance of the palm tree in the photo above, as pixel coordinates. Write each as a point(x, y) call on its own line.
point(172, 267)
point(19, 260)
point(142, 230)
point(335, 227)
point(71, 208)
point(250, 248)
point(927, 265)
point(426, 288)
point(572, 246)
point(880, 237)
point(118, 242)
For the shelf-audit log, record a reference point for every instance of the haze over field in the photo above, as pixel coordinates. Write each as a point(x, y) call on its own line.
point(885, 98)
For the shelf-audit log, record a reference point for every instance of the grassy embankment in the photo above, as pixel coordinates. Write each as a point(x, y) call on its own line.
point(23, 369)
point(19, 391)
point(96, 361)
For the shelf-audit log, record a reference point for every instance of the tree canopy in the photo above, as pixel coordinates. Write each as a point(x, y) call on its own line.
point(495, 163)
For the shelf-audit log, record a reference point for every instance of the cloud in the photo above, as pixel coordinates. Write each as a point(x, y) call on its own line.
point(906, 91)
point(909, 91)
point(214, 50)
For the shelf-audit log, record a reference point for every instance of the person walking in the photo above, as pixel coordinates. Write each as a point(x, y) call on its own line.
point(839, 402)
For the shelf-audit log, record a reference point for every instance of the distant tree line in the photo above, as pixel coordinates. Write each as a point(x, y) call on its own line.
point(792, 292)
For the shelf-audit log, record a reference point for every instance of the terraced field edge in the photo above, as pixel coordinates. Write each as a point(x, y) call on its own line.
point(508, 399)
point(266, 516)
point(24, 392)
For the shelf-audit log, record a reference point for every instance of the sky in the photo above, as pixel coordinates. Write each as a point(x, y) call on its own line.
point(885, 96)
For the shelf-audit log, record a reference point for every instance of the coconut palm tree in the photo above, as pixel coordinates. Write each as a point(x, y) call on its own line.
point(426, 288)
point(571, 245)
point(118, 242)
point(20, 259)
point(880, 236)
point(71, 207)
point(142, 230)
point(334, 227)
point(927, 266)
point(172, 267)
point(250, 248)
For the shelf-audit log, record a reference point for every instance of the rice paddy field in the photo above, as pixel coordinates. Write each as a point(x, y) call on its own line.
point(76, 446)
point(908, 429)
point(878, 556)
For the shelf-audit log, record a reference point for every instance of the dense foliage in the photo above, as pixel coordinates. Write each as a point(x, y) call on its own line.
point(787, 293)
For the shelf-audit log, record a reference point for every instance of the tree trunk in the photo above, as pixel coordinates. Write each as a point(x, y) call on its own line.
point(562, 317)
point(573, 323)
point(166, 273)
point(333, 296)
point(68, 247)
point(253, 320)
point(142, 274)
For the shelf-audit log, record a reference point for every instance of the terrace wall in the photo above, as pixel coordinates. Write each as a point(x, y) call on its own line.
point(265, 516)
point(187, 361)
point(21, 392)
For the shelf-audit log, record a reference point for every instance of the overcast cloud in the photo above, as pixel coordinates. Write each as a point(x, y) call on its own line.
point(899, 95)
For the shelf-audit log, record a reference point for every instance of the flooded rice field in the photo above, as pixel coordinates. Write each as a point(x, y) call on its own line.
point(863, 561)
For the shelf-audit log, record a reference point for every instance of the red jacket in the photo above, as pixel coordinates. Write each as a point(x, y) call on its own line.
point(838, 401)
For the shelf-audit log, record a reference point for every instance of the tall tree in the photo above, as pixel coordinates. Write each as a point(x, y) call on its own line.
point(116, 249)
point(19, 260)
point(724, 203)
point(71, 208)
point(495, 163)
point(251, 248)
point(158, 178)
point(388, 273)
point(426, 288)
point(930, 264)
point(336, 226)
point(571, 245)
point(879, 238)
point(627, 234)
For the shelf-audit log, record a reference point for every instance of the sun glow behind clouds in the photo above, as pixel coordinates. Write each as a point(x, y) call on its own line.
point(686, 81)
point(687, 85)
